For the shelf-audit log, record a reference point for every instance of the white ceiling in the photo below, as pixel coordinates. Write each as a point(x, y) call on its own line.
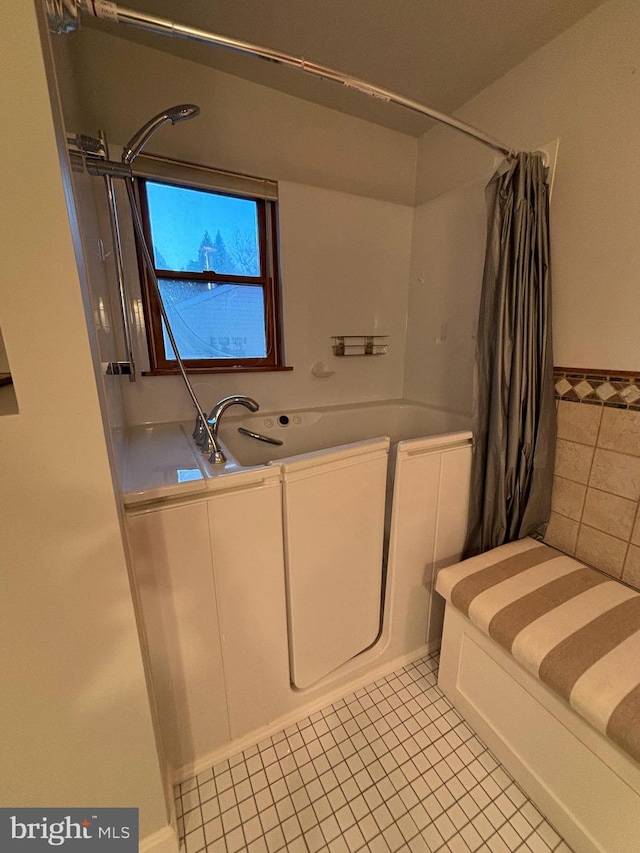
point(438, 52)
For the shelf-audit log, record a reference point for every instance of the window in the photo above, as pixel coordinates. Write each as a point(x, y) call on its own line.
point(215, 257)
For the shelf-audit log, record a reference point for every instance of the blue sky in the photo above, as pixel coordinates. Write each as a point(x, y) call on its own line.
point(180, 216)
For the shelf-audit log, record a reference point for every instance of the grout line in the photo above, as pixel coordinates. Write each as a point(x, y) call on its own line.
point(580, 520)
point(629, 543)
point(586, 491)
point(393, 693)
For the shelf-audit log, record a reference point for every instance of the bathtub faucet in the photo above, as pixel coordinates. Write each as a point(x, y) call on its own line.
point(217, 456)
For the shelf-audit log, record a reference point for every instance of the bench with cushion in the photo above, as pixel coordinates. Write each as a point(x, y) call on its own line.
point(542, 654)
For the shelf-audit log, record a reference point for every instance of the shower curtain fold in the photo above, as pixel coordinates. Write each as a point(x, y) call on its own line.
point(515, 423)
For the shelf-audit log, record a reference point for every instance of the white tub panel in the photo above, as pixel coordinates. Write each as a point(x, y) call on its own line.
point(453, 513)
point(412, 542)
point(175, 586)
point(428, 527)
point(246, 539)
point(334, 519)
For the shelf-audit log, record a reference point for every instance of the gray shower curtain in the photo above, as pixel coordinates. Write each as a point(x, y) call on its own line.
point(515, 422)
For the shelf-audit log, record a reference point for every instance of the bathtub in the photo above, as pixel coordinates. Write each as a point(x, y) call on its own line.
point(304, 430)
point(267, 576)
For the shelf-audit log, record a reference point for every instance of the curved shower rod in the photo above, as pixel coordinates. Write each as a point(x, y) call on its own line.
point(63, 16)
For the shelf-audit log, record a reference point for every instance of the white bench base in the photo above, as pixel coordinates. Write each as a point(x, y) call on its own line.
point(586, 787)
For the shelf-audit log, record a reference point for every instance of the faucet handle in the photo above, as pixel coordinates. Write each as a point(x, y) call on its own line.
point(201, 436)
point(198, 429)
point(205, 444)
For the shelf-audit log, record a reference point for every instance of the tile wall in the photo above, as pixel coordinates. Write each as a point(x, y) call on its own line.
point(610, 388)
point(597, 479)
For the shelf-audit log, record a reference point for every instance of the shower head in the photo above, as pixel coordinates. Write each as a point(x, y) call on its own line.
point(181, 112)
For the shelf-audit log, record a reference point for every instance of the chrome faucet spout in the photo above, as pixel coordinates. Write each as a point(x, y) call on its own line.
point(234, 400)
point(217, 455)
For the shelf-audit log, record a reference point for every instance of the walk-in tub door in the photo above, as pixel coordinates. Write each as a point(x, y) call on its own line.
point(334, 523)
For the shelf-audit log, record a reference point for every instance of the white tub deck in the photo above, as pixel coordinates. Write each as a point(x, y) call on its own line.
point(162, 462)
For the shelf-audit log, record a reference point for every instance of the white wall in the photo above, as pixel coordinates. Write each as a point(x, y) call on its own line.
point(74, 715)
point(105, 313)
point(243, 127)
point(580, 88)
point(583, 87)
point(345, 270)
point(95, 239)
point(447, 259)
point(346, 192)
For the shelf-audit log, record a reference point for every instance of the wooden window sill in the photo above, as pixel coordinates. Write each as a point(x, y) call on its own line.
point(230, 369)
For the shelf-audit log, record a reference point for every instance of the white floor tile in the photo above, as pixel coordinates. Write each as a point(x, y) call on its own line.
point(390, 768)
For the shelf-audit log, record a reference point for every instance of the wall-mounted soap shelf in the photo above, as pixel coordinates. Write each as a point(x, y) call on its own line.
point(360, 344)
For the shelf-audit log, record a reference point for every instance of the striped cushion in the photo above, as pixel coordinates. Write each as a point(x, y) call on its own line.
point(575, 629)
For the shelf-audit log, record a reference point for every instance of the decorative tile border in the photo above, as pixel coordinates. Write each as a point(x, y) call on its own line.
point(617, 389)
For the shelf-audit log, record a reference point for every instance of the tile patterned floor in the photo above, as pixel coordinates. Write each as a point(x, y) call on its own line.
point(392, 767)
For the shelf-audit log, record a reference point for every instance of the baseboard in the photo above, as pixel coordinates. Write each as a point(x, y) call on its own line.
point(240, 744)
point(165, 840)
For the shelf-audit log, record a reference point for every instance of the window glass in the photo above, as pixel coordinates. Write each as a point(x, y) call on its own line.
point(214, 321)
point(199, 231)
point(216, 264)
